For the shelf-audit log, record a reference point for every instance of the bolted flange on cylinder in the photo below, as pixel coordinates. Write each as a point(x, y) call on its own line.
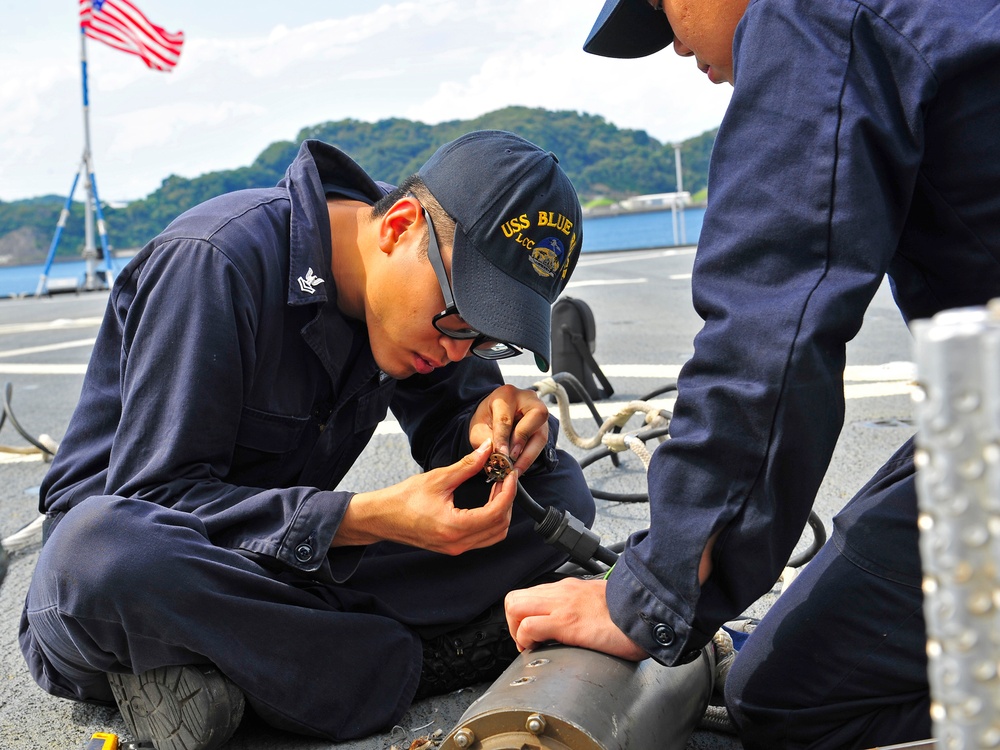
point(564, 698)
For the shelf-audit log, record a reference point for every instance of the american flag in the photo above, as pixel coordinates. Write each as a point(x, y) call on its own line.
point(119, 24)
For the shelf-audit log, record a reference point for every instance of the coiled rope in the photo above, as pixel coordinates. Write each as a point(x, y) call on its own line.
point(609, 441)
point(44, 445)
point(609, 433)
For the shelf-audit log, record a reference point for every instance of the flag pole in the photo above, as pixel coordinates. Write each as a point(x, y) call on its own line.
point(123, 26)
point(92, 204)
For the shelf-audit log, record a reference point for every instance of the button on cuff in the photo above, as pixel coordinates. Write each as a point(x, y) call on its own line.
point(663, 634)
point(303, 552)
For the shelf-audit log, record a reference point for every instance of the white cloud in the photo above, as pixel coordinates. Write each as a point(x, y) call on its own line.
point(234, 93)
point(151, 127)
point(664, 95)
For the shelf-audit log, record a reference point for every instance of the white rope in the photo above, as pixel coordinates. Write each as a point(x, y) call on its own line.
point(29, 450)
point(639, 448)
point(32, 533)
point(614, 441)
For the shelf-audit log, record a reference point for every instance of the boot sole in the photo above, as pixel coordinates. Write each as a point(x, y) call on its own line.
point(179, 708)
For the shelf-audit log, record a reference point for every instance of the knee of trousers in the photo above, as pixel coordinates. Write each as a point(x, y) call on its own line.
point(565, 488)
point(105, 545)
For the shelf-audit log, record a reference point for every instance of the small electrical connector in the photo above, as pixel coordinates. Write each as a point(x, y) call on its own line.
point(498, 467)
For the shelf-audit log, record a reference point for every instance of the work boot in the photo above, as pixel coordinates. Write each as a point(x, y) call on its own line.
point(473, 653)
point(179, 708)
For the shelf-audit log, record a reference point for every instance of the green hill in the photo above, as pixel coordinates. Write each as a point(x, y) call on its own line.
point(603, 161)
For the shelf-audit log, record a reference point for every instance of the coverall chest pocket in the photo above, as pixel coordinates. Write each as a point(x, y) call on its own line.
point(269, 448)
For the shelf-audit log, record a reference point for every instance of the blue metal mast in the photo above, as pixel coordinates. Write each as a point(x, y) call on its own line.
point(92, 206)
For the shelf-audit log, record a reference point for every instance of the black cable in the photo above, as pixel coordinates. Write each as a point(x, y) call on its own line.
point(566, 532)
point(599, 453)
point(672, 386)
point(8, 413)
point(619, 497)
point(603, 451)
point(819, 539)
point(569, 381)
point(529, 505)
point(571, 568)
point(554, 526)
point(797, 561)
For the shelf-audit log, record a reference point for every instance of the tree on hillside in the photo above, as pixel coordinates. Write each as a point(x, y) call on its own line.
point(602, 160)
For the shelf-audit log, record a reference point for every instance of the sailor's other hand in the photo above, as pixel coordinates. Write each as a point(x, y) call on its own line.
point(420, 511)
point(517, 422)
point(571, 611)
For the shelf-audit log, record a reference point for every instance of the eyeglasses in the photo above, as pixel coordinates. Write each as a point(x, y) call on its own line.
point(448, 321)
point(656, 5)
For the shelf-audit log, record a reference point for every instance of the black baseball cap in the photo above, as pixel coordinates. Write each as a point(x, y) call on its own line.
point(629, 28)
point(519, 228)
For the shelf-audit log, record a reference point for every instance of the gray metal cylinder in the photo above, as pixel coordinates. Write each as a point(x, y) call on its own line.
point(958, 488)
point(564, 698)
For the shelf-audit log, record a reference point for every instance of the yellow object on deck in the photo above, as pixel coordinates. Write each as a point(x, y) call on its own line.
point(103, 741)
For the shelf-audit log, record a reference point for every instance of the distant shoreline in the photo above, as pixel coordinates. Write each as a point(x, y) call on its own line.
point(609, 230)
point(599, 212)
point(6, 260)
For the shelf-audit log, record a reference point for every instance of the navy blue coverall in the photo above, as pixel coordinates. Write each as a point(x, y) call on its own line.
point(193, 496)
point(862, 140)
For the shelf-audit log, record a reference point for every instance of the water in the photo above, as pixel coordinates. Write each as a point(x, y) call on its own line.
point(17, 281)
point(605, 233)
point(639, 231)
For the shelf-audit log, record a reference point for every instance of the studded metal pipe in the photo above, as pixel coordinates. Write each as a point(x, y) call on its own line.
point(958, 489)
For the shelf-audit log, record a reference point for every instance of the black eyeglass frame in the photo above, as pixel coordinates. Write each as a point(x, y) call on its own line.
point(483, 346)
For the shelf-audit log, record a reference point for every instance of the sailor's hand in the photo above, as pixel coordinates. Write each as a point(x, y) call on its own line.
point(571, 611)
point(420, 511)
point(517, 422)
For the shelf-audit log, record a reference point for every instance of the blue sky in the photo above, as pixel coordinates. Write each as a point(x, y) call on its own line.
point(255, 72)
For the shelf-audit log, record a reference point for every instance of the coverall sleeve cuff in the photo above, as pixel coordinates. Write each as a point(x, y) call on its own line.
point(659, 627)
point(306, 544)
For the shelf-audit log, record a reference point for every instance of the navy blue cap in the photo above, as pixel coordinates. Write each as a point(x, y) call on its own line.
point(519, 227)
point(629, 28)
